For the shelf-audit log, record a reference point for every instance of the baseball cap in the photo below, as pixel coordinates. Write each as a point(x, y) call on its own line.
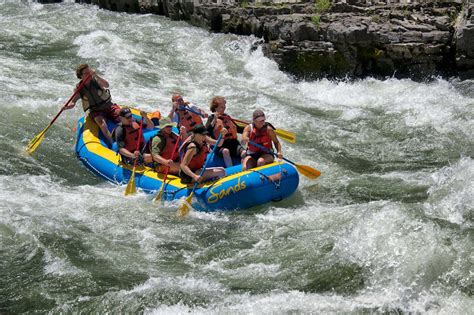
point(200, 129)
point(125, 111)
point(258, 113)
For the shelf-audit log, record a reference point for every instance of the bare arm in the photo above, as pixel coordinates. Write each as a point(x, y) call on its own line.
point(190, 153)
point(246, 135)
point(275, 140)
point(148, 123)
point(103, 83)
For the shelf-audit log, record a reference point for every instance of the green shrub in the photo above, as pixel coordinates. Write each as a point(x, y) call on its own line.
point(322, 5)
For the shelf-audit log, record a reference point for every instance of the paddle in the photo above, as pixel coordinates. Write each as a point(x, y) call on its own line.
point(131, 189)
point(283, 134)
point(159, 195)
point(306, 170)
point(35, 142)
point(184, 209)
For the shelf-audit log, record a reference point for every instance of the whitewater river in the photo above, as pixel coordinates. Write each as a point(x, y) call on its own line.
point(388, 227)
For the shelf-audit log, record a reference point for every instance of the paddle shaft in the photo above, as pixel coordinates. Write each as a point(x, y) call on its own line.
point(269, 151)
point(138, 144)
point(207, 161)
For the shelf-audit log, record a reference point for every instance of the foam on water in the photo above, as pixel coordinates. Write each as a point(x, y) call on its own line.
point(386, 228)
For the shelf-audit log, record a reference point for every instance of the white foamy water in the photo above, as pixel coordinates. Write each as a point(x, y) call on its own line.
point(386, 228)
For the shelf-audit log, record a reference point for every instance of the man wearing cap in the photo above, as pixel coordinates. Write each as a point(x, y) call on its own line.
point(128, 137)
point(262, 133)
point(96, 98)
point(163, 147)
point(195, 154)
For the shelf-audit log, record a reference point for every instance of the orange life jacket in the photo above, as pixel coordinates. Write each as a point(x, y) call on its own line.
point(260, 136)
point(199, 159)
point(227, 123)
point(131, 137)
point(188, 119)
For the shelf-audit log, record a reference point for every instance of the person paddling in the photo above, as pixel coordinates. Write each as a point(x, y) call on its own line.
point(127, 137)
point(219, 120)
point(182, 116)
point(163, 147)
point(96, 98)
point(262, 133)
point(195, 154)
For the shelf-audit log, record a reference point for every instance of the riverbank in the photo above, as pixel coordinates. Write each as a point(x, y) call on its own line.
point(337, 39)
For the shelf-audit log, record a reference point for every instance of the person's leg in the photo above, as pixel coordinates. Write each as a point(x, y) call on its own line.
point(147, 158)
point(248, 162)
point(265, 159)
point(226, 155)
point(100, 121)
point(213, 172)
point(174, 168)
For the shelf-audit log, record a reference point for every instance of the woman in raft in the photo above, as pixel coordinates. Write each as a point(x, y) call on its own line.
point(195, 153)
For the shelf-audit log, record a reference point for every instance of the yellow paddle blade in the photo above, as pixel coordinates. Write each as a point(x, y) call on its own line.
point(286, 135)
point(308, 171)
point(186, 206)
point(131, 188)
point(35, 142)
point(159, 195)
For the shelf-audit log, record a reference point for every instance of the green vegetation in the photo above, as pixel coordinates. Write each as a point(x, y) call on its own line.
point(316, 19)
point(321, 6)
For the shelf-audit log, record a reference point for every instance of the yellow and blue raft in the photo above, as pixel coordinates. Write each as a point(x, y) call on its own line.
point(237, 190)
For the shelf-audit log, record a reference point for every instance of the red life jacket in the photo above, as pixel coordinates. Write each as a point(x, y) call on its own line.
point(228, 124)
point(260, 136)
point(131, 137)
point(167, 146)
point(198, 160)
point(188, 119)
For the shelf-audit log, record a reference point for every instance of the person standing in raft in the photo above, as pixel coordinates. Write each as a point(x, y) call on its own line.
point(195, 153)
point(219, 120)
point(163, 147)
point(127, 137)
point(185, 114)
point(262, 133)
point(96, 98)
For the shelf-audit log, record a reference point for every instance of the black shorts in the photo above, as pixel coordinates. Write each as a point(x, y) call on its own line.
point(234, 147)
point(185, 178)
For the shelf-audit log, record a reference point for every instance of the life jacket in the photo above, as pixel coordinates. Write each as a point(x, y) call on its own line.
point(188, 119)
point(260, 136)
point(94, 97)
point(155, 117)
point(166, 146)
point(228, 124)
point(199, 159)
point(131, 137)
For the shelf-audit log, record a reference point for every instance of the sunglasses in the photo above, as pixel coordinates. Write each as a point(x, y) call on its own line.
point(128, 117)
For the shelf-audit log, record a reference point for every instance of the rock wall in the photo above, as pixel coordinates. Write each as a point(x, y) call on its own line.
point(347, 38)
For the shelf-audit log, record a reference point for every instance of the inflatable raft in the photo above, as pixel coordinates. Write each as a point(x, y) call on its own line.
point(237, 190)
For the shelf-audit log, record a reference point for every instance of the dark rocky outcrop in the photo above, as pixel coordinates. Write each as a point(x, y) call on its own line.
point(353, 38)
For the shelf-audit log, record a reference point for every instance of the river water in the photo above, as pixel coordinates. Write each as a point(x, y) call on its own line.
point(388, 227)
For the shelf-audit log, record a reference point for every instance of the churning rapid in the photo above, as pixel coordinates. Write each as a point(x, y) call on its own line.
point(388, 227)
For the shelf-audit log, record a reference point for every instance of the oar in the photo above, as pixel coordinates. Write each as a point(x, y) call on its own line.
point(35, 142)
point(306, 170)
point(131, 188)
point(159, 195)
point(283, 134)
point(186, 206)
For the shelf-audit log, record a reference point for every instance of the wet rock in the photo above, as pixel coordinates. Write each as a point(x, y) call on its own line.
point(354, 38)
